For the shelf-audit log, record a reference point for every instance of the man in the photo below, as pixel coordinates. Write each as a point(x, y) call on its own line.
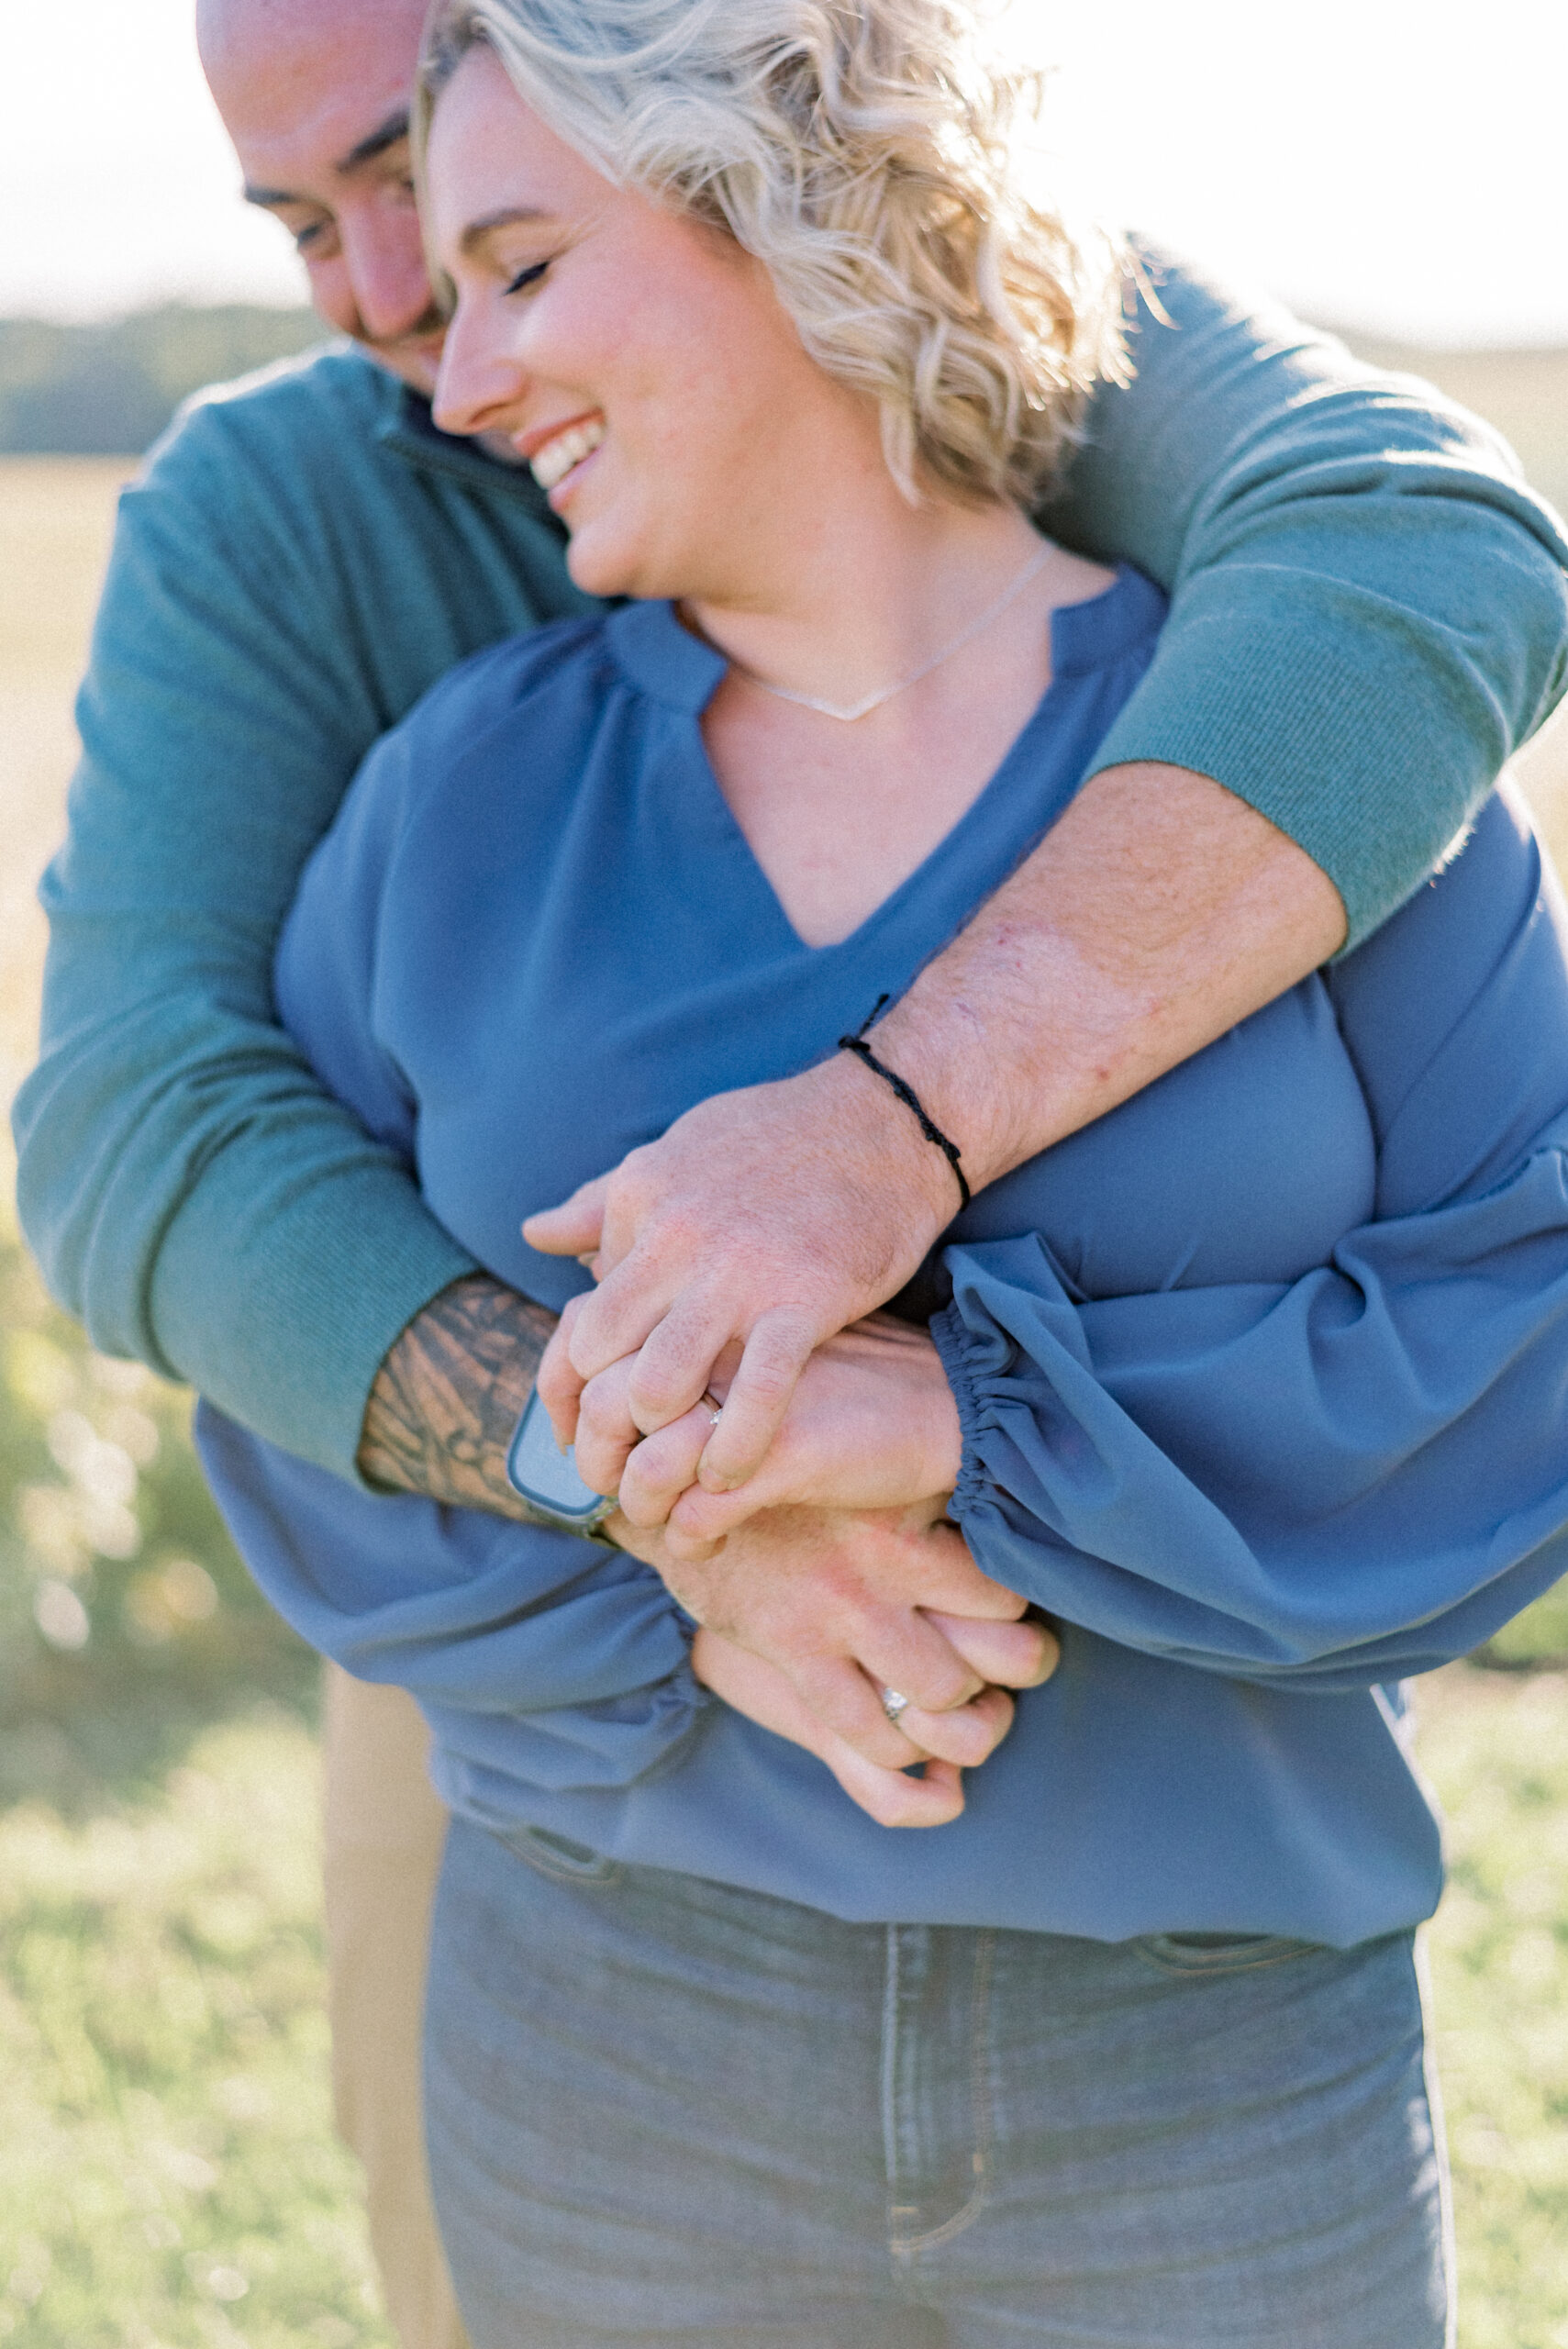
point(1369, 614)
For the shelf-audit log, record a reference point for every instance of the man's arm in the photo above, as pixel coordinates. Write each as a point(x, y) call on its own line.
point(1159, 912)
point(449, 1396)
point(283, 585)
point(202, 1203)
point(1348, 655)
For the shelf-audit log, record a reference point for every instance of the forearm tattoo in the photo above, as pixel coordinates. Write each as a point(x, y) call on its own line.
point(449, 1393)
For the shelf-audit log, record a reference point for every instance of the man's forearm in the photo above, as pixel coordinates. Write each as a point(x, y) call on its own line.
point(449, 1393)
point(1156, 914)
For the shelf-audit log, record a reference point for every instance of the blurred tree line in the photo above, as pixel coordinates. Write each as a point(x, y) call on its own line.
point(110, 390)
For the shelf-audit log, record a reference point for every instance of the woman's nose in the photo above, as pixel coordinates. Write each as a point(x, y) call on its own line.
point(479, 383)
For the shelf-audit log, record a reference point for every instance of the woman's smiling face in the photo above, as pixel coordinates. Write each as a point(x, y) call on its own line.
point(642, 362)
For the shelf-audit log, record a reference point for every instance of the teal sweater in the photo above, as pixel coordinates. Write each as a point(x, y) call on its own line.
point(1368, 616)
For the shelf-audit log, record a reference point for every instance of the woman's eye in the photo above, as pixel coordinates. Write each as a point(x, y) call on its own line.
point(529, 277)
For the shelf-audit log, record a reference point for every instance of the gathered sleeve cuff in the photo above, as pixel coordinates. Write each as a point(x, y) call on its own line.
point(1360, 1474)
point(580, 1645)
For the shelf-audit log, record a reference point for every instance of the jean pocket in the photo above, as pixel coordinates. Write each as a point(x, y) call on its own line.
point(558, 1856)
point(1206, 1954)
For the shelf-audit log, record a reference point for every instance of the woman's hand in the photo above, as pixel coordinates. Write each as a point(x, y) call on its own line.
point(949, 1742)
point(846, 1603)
point(871, 1425)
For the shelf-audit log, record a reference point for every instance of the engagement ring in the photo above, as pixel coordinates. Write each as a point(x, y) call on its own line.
point(893, 1704)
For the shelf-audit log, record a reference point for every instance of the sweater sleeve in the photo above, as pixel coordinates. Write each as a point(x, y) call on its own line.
point(1369, 611)
point(1361, 1474)
point(190, 1190)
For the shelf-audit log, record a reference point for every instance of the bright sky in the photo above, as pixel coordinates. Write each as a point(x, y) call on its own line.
point(1391, 165)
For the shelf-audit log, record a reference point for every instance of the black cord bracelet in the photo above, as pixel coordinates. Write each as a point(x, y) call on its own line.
point(907, 1095)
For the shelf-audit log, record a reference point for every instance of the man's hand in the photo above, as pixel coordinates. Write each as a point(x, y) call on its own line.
point(449, 1393)
point(893, 1797)
point(827, 1201)
point(1157, 913)
point(842, 1603)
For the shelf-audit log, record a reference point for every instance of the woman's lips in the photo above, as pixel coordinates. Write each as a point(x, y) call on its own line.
point(552, 462)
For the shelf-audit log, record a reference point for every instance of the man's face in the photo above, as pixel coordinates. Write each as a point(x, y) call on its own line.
point(315, 94)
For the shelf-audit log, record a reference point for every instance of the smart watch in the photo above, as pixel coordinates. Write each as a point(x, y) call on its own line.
point(546, 1477)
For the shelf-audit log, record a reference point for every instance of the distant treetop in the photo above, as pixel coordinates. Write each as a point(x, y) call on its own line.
point(110, 390)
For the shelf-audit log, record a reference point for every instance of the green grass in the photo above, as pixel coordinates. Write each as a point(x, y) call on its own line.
point(169, 2179)
point(1496, 1748)
point(167, 2171)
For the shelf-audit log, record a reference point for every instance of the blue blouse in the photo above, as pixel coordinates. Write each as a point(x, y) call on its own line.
point(1261, 1376)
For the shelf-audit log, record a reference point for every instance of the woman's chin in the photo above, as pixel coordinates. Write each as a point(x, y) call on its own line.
point(600, 566)
point(602, 563)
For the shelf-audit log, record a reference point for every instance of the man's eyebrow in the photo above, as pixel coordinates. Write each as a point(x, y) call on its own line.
point(509, 217)
point(386, 135)
point(390, 133)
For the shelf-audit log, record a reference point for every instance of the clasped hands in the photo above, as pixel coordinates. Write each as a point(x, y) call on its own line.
point(804, 1532)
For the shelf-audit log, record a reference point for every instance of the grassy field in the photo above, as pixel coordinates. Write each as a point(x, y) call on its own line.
point(168, 2177)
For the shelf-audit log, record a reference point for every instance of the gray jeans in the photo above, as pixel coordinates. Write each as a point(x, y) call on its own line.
point(664, 2111)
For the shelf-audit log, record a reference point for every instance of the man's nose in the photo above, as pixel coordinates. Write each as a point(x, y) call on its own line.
point(383, 261)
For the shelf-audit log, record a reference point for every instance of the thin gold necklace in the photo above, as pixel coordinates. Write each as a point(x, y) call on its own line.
point(863, 708)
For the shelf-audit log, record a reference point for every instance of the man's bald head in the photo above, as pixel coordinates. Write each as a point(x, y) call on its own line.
point(316, 94)
point(227, 28)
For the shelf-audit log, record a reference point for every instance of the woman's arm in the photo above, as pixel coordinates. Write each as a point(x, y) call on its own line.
point(1357, 1475)
point(577, 1643)
point(1361, 1475)
point(838, 1603)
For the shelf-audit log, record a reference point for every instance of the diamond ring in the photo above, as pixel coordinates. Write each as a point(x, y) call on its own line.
point(893, 1704)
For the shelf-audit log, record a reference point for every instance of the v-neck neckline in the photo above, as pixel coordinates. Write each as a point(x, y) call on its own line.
point(662, 658)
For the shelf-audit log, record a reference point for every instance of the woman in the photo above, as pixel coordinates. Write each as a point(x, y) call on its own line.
point(1248, 1385)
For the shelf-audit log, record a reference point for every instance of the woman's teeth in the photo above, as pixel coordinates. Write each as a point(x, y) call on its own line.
point(555, 460)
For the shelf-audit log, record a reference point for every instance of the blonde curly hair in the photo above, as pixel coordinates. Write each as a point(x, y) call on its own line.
point(868, 153)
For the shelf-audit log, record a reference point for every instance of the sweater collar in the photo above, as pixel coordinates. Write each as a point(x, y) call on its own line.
point(408, 430)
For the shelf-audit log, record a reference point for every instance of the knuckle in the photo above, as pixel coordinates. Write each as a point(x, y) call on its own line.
point(841, 1709)
point(655, 1394)
point(686, 1549)
point(698, 1517)
point(638, 1507)
point(586, 1347)
point(942, 1687)
point(600, 1419)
